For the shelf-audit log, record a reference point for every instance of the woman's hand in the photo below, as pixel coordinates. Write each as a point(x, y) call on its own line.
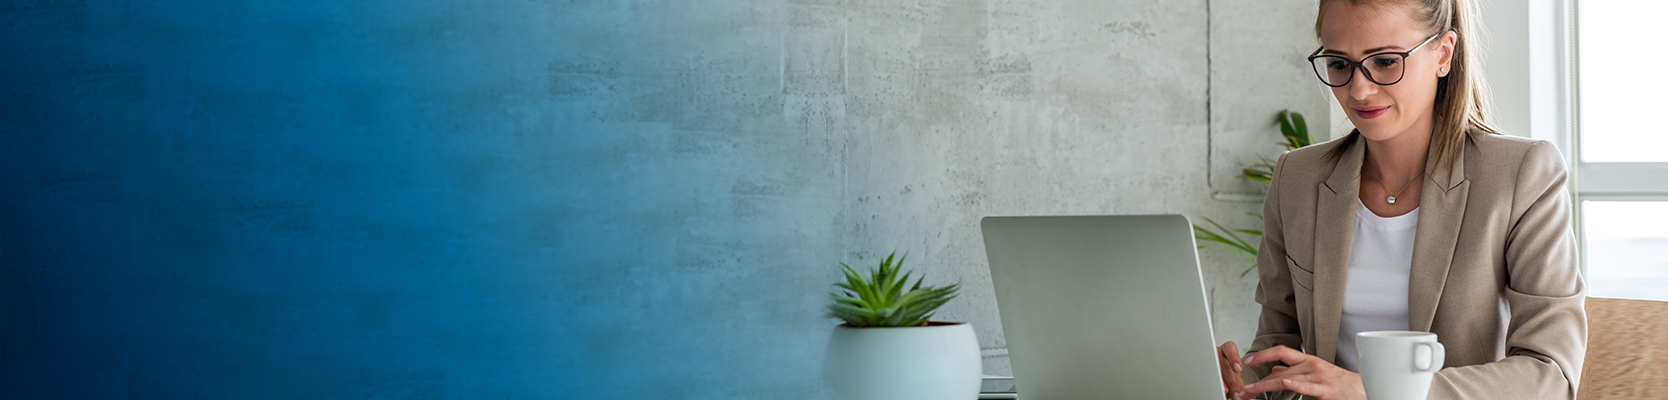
point(1227, 357)
point(1305, 374)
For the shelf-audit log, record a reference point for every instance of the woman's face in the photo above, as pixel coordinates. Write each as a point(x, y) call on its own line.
point(1386, 112)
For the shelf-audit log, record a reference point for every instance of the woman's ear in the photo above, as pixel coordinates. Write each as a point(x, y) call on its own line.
point(1446, 53)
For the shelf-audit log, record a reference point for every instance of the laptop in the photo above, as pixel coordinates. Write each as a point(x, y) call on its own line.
point(1103, 307)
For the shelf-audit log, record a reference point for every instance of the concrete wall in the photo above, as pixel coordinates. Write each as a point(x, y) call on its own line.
point(579, 199)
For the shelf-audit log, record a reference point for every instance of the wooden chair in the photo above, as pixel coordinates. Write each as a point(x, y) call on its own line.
point(1627, 350)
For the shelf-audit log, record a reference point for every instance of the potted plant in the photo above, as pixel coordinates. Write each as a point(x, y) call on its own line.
point(889, 348)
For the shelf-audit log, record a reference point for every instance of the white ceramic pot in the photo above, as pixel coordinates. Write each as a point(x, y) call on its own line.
point(939, 361)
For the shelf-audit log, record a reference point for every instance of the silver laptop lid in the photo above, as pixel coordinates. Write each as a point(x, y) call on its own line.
point(1103, 307)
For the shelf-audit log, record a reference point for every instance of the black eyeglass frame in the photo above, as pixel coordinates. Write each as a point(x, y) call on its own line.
point(1359, 65)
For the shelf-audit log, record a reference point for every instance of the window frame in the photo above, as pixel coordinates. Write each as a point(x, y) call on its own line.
point(1596, 181)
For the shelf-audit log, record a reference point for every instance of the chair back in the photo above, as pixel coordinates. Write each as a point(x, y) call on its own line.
point(1627, 350)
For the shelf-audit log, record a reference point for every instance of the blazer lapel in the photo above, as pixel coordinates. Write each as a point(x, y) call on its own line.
point(1441, 208)
point(1334, 224)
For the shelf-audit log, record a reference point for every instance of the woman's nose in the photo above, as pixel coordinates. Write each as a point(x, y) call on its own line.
point(1360, 87)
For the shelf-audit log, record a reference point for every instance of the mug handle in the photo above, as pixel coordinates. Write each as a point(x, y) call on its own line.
point(1433, 356)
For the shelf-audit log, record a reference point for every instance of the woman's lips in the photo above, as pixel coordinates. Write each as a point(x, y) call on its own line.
point(1371, 112)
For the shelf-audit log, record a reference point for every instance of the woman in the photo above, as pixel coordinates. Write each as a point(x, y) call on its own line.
point(1424, 218)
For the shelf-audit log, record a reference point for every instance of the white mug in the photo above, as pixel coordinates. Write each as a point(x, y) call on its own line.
point(1397, 365)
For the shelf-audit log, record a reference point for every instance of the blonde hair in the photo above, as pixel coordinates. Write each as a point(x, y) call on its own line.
point(1462, 96)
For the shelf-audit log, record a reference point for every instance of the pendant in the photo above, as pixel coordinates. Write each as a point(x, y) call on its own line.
point(1391, 199)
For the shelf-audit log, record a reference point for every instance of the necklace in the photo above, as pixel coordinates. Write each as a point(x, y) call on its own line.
point(1392, 198)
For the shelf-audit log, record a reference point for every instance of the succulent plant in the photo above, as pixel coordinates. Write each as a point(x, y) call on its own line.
point(879, 300)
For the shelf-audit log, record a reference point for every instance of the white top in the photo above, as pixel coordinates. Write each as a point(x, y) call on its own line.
point(1375, 294)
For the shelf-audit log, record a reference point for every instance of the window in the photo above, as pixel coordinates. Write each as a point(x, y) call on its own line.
point(1622, 147)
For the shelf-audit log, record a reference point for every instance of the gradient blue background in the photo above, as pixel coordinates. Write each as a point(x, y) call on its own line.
point(392, 199)
point(525, 199)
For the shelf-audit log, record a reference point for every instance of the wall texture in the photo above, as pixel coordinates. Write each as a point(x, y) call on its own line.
point(576, 199)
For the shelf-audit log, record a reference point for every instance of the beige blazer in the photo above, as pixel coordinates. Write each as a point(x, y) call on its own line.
point(1494, 271)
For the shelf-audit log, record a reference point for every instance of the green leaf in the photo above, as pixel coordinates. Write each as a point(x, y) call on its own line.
point(843, 307)
point(856, 316)
point(1230, 241)
point(880, 298)
point(1240, 242)
point(856, 283)
point(895, 288)
point(913, 319)
point(1294, 129)
point(916, 298)
point(1302, 138)
point(854, 302)
point(925, 307)
point(1286, 127)
point(1202, 233)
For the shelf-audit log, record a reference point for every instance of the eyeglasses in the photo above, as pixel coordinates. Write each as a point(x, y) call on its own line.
point(1382, 68)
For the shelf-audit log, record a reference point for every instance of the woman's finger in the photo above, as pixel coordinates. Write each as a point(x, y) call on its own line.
point(1228, 361)
point(1319, 380)
point(1264, 386)
point(1277, 353)
point(1231, 351)
point(1299, 369)
point(1276, 380)
point(1308, 386)
point(1303, 388)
